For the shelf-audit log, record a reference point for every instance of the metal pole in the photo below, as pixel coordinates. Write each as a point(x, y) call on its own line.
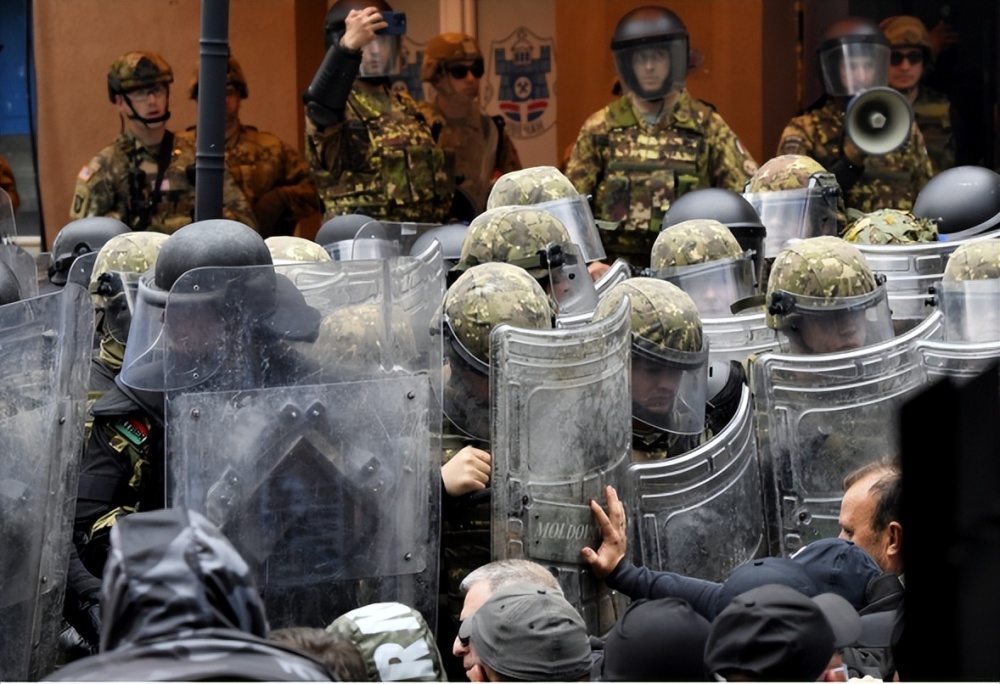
point(211, 159)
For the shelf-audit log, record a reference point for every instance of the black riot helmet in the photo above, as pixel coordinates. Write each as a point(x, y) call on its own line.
point(963, 201)
point(81, 237)
point(218, 242)
point(650, 43)
point(10, 289)
point(387, 45)
point(853, 55)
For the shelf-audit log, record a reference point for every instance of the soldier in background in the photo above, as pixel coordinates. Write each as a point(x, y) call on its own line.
point(369, 149)
point(853, 57)
point(479, 146)
point(272, 175)
point(646, 149)
point(145, 177)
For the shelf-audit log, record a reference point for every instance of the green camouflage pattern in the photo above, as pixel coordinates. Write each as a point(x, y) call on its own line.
point(126, 253)
point(262, 164)
point(447, 47)
point(394, 640)
point(286, 249)
point(891, 227)
point(932, 111)
point(381, 161)
point(490, 294)
point(634, 170)
point(785, 172)
point(351, 344)
point(823, 267)
point(662, 313)
point(102, 187)
point(692, 242)
point(978, 260)
point(138, 70)
point(511, 235)
point(890, 181)
point(533, 185)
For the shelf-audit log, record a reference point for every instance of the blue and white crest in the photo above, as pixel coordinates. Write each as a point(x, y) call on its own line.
point(522, 73)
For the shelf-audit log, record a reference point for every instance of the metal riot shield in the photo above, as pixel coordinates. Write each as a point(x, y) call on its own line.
point(962, 361)
point(561, 431)
point(82, 268)
point(734, 338)
point(619, 272)
point(315, 456)
point(700, 514)
point(44, 370)
point(910, 270)
point(821, 416)
point(23, 266)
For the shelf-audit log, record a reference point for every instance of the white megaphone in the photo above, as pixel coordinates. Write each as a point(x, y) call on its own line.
point(879, 120)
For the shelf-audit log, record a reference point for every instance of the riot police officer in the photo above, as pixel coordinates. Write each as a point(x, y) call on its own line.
point(77, 238)
point(969, 294)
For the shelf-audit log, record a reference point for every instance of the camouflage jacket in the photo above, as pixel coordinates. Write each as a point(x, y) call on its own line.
point(119, 181)
point(888, 182)
point(634, 170)
point(380, 161)
point(260, 163)
point(480, 149)
point(934, 119)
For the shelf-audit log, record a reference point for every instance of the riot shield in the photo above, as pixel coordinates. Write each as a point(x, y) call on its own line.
point(959, 360)
point(700, 514)
point(910, 271)
point(82, 268)
point(561, 431)
point(821, 416)
point(320, 469)
point(44, 371)
point(618, 273)
point(23, 266)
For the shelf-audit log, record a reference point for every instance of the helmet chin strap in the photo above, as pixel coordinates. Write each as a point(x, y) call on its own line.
point(146, 121)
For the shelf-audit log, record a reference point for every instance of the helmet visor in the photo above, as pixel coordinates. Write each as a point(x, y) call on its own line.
point(827, 325)
point(795, 214)
point(716, 285)
point(142, 368)
point(651, 70)
point(576, 216)
point(380, 57)
point(120, 303)
point(467, 393)
point(971, 309)
point(369, 243)
point(669, 387)
point(570, 283)
point(852, 67)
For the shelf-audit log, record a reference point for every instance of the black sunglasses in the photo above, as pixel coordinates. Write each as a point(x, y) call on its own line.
point(462, 70)
point(913, 57)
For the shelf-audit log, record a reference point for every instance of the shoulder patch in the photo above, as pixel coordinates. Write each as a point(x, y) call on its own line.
point(85, 173)
point(132, 429)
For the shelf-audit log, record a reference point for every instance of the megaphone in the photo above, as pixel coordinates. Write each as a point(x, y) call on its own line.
point(878, 120)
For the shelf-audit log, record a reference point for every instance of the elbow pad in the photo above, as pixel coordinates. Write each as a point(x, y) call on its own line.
point(326, 97)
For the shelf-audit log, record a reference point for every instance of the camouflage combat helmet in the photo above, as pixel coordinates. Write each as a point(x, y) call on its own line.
point(819, 267)
point(287, 249)
point(445, 48)
point(979, 260)
point(512, 235)
point(664, 317)
point(693, 242)
point(81, 236)
point(530, 186)
point(486, 296)
point(351, 346)
point(904, 31)
point(891, 227)
point(234, 77)
point(785, 172)
point(127, 253)
point(137, 70)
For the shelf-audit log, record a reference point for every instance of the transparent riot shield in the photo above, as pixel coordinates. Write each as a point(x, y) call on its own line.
point(8, 228)
point(44, 370)
point(910, 271)
point(314, 455)
point(81, 269)
point(700, 514)
point(821, 416)
point(406, 233)
point(619, 272)
point(23, 266)
point(561, 431)
point(961, 361)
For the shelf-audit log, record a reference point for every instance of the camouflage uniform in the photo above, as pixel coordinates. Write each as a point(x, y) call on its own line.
point(933, 113)
point(8, 184)
point(890, 181)
point(634, 170)
point(380, 161)
point(891, 227)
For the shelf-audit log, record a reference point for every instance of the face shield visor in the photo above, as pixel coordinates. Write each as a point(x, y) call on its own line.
point(971, 309)
point(715, 285)
point(669, 387)
point(652, 69)
point(467, 393)
point(576, 216)
point(797, 214)
point(827, 325)
point(115, 294)
point(369, 243)
point(380, 58)
point(81, 269)
point(568, 283)
point(851, 67)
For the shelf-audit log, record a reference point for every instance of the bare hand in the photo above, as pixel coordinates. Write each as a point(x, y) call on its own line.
point(597, 269)
point(613, 538)
point(360, 27)
point(467, 471)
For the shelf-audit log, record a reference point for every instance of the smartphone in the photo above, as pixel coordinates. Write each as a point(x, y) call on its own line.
point(396, 24)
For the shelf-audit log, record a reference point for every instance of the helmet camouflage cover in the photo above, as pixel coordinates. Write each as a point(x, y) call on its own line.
point(234, 77)
point(692, 242)
point(512, 235)
point(904, 30)
point(530, 186)
point(137, 70)
point(785, 172)
point(662, 313)
point(133, 252)
point(891, 227)
point(350, 345)
point(490, 294)
point(448, 47)
point(289, 248)
point(979, 260)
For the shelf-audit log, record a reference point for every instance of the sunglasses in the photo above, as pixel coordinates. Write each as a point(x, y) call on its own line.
point(462, 70)
point(913, 57)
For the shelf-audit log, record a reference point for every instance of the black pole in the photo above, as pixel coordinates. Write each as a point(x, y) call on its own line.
point(211, 158)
